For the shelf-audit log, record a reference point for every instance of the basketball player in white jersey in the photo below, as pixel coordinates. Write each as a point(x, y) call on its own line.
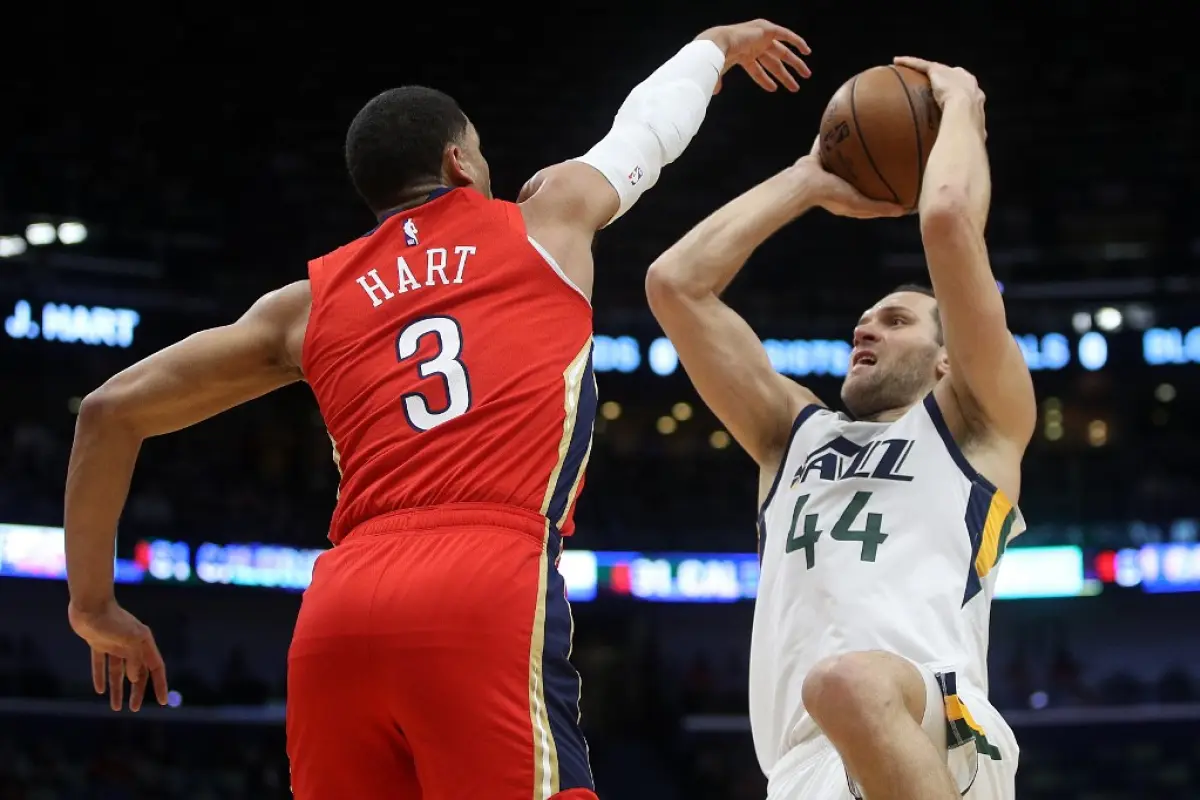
point(881, 529)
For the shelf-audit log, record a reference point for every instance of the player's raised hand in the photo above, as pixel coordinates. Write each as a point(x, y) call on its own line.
point(946, 81)
point(768, 52)
point(836, 195)
point(122, 647)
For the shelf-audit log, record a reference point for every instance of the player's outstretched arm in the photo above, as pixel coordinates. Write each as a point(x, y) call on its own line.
point(203, 375)
point(722, 355)
point(988, 375)
point(564, 205)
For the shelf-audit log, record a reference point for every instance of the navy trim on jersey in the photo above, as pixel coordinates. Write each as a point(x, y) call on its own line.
point(577, 450)
point(560, 678)
point(801, 418)
point(434, 195)
point(956, 453)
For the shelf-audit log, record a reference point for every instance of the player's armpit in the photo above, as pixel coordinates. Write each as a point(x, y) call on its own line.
point(210, 371)
point(563, 207)
point(729, 367)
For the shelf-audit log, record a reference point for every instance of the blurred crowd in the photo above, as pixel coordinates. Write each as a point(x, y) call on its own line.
point(265, 473)
point(634, 709)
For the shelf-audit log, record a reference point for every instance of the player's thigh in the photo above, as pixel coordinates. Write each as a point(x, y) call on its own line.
point(342, 740)
point(494, 706)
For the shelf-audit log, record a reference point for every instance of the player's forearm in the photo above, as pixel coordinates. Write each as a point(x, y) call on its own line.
point(98, 477)
point(657, 121)
point(710, 256)
point(957, 177)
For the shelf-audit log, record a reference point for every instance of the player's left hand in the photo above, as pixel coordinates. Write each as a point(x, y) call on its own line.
point(768, 53)
point(124, 645)
point(947, 82)
point(836, 195)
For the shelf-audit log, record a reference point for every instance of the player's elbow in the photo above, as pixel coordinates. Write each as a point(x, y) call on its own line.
point(945, 209)
point(108, 406)
point(102, 406)
point(667, 283)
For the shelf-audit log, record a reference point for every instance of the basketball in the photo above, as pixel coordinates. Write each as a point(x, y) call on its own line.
point(877, 132)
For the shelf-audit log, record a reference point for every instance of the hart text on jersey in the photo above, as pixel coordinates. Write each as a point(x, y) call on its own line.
point(442, 267)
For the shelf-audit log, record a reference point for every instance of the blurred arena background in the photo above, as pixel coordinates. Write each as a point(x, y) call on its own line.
point(159, 172)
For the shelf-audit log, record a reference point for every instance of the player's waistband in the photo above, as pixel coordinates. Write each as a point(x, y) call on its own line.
point(454, 515)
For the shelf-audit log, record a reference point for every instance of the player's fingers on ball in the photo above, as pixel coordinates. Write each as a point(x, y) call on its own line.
point(98, 671)
point(760, 76)
point(116, 682)
point(789, 57)
point(780, 72)
point(919, 64)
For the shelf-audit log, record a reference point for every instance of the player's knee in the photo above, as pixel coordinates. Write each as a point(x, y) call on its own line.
point(848, 691)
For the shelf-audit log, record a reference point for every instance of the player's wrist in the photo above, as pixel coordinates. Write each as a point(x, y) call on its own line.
point(963, 104)
point(92, 602)
point(802, 188)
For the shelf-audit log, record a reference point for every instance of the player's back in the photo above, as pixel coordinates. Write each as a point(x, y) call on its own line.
point(451, 360)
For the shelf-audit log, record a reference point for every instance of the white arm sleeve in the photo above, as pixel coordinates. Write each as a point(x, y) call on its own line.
point(657, 121)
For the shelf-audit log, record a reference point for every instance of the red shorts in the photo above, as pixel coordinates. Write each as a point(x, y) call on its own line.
point(430, 660)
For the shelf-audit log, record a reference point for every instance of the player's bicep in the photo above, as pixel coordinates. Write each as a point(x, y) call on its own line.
point(729, 367)
point(987, 369)
point(563, 207)
point(208, 372)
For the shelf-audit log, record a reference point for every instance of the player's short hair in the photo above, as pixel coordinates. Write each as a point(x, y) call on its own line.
point(397, 140)
point(928, 292)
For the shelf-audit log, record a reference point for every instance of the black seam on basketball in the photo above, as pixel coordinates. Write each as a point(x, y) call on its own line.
point(916, 128)
point(863, 139)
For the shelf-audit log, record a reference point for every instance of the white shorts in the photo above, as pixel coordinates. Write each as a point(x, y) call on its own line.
point(980, 748)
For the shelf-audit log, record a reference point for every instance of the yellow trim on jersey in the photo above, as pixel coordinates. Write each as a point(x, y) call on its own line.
point(994, 537)
point(573, 387)
point(562, 520)
point(957, 712)
point(545, 754)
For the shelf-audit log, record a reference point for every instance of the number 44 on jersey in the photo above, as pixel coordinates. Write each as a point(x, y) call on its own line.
point(870, 536)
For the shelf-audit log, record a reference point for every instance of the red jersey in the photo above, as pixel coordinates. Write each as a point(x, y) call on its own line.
point(452, 363)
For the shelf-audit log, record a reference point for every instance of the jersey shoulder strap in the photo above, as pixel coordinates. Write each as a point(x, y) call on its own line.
point(809, 412)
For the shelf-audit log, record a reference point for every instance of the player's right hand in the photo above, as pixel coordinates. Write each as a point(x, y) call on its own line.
point(121, 647)
point(835, 195)
point(765, 50)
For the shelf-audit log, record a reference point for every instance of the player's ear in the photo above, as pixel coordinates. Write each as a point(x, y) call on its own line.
point(456, 168)
point(942, 368)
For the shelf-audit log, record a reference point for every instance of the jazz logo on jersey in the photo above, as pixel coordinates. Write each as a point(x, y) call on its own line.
point(841, 459)
point(636, 176)
point(410, 232)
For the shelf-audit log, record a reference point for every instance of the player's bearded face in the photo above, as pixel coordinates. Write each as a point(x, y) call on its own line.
point(896, 357)
point(899, 377)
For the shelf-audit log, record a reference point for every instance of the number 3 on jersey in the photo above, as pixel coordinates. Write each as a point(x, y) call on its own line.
point(870, 537)
point(444, 363)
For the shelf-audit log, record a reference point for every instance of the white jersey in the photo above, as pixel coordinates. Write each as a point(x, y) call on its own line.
point(874, 536)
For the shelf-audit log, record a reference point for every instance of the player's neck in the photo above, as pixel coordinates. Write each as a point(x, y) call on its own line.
point(411, 199)
point(888, 415)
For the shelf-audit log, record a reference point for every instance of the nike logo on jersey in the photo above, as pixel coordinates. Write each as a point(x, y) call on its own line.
point(841, 459)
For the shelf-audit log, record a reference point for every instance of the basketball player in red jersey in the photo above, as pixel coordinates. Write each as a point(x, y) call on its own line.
point(449, 350)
